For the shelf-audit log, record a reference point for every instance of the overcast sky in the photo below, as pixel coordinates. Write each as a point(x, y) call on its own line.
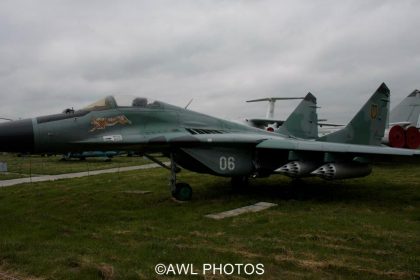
point(58, 54)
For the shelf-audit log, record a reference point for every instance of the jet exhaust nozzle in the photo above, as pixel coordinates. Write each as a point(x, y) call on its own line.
point(333, 171)
point(398, 137)
point(412, 137)
point(394, 137)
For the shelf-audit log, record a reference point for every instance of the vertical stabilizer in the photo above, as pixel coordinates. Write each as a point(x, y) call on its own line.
point(408, 110)
point(368, 126)
point(303, 121)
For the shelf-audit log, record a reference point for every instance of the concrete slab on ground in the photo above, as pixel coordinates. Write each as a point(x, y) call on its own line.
point(136, 192)
point(260, 206)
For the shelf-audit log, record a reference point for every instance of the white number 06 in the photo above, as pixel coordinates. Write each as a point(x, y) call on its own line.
point(227, 163)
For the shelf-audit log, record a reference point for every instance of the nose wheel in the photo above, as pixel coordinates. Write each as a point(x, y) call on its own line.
point(180, 191)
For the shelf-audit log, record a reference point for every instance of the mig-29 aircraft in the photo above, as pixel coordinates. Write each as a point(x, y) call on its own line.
point(205, 144)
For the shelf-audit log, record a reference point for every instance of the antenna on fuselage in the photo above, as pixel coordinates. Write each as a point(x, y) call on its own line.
point(186, 107)
point(272, 102)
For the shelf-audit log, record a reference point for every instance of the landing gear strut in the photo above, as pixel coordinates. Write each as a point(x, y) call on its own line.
point(180, 191)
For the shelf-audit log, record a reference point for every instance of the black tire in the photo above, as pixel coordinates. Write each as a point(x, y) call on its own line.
point(182, 192)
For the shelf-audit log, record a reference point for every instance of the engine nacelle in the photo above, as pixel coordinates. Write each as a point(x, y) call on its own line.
point(297, 169)
point(333, 171)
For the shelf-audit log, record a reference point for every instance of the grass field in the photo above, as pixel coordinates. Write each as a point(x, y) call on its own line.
point(20, 167)
point(90, 228)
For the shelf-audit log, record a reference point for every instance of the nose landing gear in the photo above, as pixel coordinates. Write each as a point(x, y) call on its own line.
point(180, 191)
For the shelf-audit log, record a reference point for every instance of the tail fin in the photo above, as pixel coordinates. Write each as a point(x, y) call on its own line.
point(303, 121)
point(368, 126)
point(408, 110)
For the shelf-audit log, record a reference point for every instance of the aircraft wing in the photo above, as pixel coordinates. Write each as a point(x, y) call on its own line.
point(293, 144)
point(259, 141)
point(274, 99)
point(314, 146)
point(266, 141)
point(321, 124)
point(175, 138)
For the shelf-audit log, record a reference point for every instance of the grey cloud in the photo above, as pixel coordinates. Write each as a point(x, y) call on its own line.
point(57, 54)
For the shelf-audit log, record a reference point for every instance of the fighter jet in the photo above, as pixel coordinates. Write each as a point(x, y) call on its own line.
point(206, 144)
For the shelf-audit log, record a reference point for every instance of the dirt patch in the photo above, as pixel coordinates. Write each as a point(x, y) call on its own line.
point(6, 274)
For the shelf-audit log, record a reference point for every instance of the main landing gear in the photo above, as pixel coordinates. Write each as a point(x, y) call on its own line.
point(180, 191)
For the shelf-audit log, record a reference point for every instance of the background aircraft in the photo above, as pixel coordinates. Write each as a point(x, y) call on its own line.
point(305, 108)
point(206, 144)
point(108, 155)
point(268, 123)
point(404, 123)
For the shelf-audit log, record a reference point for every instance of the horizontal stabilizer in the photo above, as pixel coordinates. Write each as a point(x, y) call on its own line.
point(274, 99)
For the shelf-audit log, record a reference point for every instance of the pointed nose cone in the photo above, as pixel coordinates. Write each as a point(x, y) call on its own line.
point(17, 136)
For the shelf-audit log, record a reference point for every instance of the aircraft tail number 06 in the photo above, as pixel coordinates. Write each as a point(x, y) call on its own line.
point(227, 163)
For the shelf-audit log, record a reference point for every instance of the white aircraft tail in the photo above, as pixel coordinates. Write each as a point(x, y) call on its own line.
point(272, 102)
point(408, 110)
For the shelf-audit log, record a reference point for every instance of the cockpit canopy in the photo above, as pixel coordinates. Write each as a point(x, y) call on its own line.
point(110, 102)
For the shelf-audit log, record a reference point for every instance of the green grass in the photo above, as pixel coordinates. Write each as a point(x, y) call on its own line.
point(20, 167)
point(89, 228)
